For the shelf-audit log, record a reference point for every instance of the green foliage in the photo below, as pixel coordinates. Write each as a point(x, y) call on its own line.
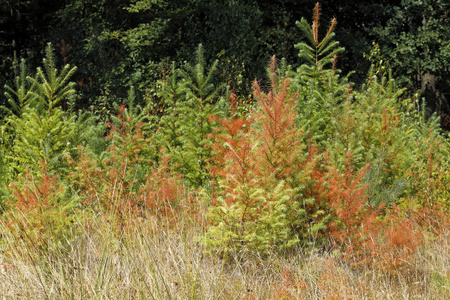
point(89, 131)
point(202, 103)
point(41, 138)
point(381, 192)
point(229, 27)
point(414, 41)
point(379, 66)
point(319, 53)
point(255, 221)
point(374, 126)
point(428, 171)
point(418, 29)
point(19, 96)
point(40, 130)
point(191, 100)
point(124, 43)
point(86, 26)
point(173, 93)
point(320, 87)
point(130, 140)
point(52, 87)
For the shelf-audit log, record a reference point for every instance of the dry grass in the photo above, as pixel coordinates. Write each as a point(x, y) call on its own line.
point(150, 262)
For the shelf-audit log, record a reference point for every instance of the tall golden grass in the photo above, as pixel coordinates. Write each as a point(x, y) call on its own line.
point(153, 260)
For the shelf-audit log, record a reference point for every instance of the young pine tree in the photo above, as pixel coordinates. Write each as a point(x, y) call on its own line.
point(173, 92)
point(263, 173)
point(19, 96)
point(317, 80)
point(41, 130)
point(191, 104)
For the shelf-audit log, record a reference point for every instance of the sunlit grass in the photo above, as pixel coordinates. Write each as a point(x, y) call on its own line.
point(160, 261)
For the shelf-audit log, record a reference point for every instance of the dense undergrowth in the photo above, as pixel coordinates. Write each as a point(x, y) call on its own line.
point(307, 171)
